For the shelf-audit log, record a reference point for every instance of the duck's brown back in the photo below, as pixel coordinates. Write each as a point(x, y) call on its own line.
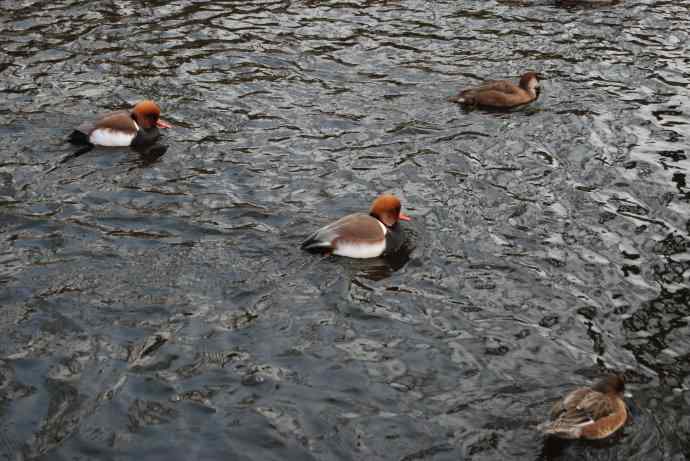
point(497, 93)
point(120, 120)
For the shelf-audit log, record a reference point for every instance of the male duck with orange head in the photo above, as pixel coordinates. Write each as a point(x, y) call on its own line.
point(136, 128)
point(361, 235)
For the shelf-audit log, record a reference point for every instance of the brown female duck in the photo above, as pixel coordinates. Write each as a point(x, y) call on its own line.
point(501, 94)
point(589, 413)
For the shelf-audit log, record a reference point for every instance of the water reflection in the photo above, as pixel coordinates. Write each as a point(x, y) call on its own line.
point(377, 269)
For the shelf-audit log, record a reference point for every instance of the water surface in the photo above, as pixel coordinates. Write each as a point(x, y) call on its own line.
point(161, 308)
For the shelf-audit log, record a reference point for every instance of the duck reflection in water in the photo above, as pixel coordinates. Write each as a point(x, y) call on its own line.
point(148, 155)
point(384, 266)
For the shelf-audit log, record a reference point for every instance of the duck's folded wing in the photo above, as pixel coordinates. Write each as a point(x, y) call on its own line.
point(560, 406)
point(502, 86)
point(120, 120)
point(597, 405)
point(494, 98)
point(357, 227)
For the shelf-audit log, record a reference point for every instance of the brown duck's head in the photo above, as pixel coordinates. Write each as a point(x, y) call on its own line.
point(611, 384)
point(530, 82)
point(147, 115)
point(386, 208)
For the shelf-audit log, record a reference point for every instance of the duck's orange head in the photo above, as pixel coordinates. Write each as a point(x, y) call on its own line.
point(147, 115)
point(386, 208)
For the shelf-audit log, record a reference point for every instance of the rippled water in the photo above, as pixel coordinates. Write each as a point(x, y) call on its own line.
point(161, 308)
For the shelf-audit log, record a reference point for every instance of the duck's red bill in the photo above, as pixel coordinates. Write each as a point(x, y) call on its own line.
point(163, 124)
point(404, 217)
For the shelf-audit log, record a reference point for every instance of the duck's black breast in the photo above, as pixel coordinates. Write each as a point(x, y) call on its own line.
point(394, 238)
point(146, 137)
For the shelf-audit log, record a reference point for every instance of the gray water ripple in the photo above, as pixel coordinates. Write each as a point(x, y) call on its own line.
point(162, 309)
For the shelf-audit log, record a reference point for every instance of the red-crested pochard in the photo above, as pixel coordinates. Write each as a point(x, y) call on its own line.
point(362, 235)
point(501, 93)
point(136, 128)
point(589, 412)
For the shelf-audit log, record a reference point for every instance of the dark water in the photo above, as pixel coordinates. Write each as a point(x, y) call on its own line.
point(160, 309)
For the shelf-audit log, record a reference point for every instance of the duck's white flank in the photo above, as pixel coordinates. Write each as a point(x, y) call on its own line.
point(360, 250)
point(112, 138)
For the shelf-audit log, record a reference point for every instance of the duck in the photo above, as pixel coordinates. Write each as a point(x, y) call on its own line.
point(362, 235)
point(569, 3)
point(501, 94)
point(589, 412)
point(135, 128)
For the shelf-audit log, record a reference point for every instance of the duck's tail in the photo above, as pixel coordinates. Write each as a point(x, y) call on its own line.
point(459, 98)
point(314, 244)
point(468, 97)
point(78, 137)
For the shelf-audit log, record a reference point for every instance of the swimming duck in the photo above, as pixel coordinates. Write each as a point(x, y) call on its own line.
point(501, 93)
point(586, 2)
point(136, 128)
point(589, 413)
point(362, 235)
